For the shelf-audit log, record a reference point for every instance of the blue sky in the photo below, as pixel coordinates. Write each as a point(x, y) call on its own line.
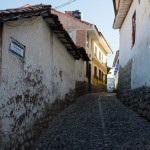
point(98, 12)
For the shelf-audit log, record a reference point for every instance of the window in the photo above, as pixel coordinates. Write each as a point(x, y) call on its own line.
point(100, 75)
point(133, 28)
point(100, 55)
point(87, 69)
point(70, 33)
point(106, 79)
point(95, 51)
point(102, 58)
point(87, 42)
point(95, 72)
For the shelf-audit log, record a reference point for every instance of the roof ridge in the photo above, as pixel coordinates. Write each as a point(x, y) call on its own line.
point(26, 6)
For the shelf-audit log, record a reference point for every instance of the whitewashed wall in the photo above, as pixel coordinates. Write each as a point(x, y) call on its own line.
point(22, 79)
point(116, 80)
point(63, 70)
point(29, 87)
point(140, 52)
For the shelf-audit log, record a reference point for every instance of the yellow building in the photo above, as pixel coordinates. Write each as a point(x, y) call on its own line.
point(97, 48)
point(86, 35)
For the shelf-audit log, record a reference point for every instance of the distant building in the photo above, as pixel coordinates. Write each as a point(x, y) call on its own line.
point(132, 18)
point(116, 69)
point(110, 84)
point(87, 35)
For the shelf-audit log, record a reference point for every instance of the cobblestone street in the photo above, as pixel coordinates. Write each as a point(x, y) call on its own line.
point(98, 122)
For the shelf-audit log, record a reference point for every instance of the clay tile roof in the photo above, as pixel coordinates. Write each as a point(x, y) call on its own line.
point(23, 12)
point(28, 11)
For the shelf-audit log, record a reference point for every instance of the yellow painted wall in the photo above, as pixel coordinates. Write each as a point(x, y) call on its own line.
point(97, 82)
point(95, 62)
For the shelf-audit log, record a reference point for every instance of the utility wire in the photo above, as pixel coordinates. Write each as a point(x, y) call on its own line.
point(63, 5)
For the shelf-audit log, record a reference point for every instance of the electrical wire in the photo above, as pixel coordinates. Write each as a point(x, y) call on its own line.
point(65, 4)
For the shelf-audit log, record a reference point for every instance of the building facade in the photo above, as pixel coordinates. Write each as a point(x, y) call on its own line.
point(132, 18)
point(116, 69)
point(87, 35)
point(38, 62)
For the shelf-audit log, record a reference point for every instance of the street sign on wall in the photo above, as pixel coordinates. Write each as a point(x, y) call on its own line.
point(17, 49)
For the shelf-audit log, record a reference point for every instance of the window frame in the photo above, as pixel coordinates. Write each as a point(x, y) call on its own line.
point(95, 71)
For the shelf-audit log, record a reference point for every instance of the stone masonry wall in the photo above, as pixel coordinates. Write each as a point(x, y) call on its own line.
point(137, 99)
point(124, 83)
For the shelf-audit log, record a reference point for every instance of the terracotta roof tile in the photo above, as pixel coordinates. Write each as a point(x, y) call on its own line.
point(36, 10)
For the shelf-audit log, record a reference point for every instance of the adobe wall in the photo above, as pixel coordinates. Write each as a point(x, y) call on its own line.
point(134, 74)
point(29, 87)
point(139, 52)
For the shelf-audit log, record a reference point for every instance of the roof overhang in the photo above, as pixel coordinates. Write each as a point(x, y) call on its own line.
point(97, 36)
point(93, 34)
point(103, 42)
point(28, 11)
point(122, 11)
point(63, 36)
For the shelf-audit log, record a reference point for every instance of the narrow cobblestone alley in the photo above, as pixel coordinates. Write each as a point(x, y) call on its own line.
point(98, 122)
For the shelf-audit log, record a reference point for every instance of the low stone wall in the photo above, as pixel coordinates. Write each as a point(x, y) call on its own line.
point(137, 99)
point(124, 81)
point(24, 141)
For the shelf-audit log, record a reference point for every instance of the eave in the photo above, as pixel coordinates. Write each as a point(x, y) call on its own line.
point(122, 11)
point(28, 11)
point(105, 45)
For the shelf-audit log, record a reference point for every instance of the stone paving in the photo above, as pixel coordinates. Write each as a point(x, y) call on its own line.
point(96, 122)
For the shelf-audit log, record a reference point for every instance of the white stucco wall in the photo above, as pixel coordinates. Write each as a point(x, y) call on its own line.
point(21, 79)
point(63, 69)
point(139, 53)
point(116, 80)
point(29, 87)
